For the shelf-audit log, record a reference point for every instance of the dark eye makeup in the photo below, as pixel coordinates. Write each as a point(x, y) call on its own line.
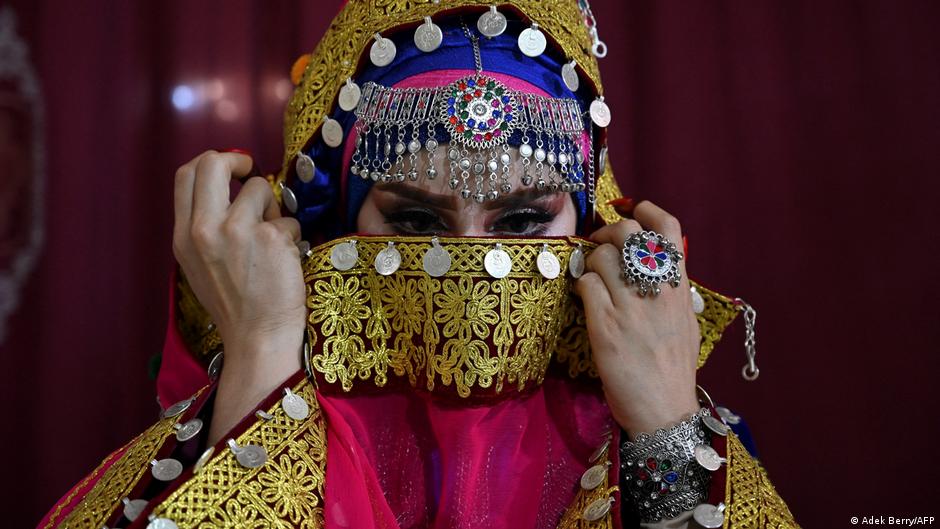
point(527, 221)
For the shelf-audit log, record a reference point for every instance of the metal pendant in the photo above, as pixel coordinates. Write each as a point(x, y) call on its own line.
point(188, 430)
point(332, 132)
point(203, 459)
point(709, 516)
point(428, 36)
point(436, 261)
point(600, 451)
point(133, 508)
point(215, 366)
point(294, 405)
point(161, 523)
point(288, 198)
point(305, 167)
point(597, 509)
point(349, 96)
point(715, 425)
point(248, 456)
point(383, 51)
point(177, 408)
point(497, 262)
point(166, 469)
point(264, 416)
point(532, 41)
point(570, 76)
point(492, 23)
point(576, 262)
point(547, 263)
point(344, 255)
point(600, 112)
point(388, 260)
point(729, 416)
point(698, 302)
point(602, 160)
point(708, 457)
point(594, 476)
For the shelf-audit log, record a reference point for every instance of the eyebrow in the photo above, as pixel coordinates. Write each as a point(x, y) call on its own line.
point(448, 201)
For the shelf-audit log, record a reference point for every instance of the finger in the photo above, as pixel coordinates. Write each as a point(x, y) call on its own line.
point(616, 233)
point(214, 173)
point(253, 201)
point(593, 293)
point(605, 261)
point(653, 217)
point(287, 225)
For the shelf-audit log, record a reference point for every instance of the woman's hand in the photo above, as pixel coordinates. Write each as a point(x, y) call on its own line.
point(645, 348)
point(241, 259)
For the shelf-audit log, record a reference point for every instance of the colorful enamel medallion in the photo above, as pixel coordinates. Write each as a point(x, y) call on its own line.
point(650, 259)
point(479, 112)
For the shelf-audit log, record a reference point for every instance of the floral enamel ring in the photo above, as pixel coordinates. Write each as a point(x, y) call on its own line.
point(650, 259)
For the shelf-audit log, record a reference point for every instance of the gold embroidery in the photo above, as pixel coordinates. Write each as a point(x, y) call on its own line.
point(287, 491)
point(752, 500)
point(573, 517)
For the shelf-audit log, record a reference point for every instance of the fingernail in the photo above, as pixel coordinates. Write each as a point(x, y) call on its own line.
point(685, 247)
point(246, 152)
point(623, 206)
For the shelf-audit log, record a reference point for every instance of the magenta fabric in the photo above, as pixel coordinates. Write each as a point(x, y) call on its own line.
point(181, 374)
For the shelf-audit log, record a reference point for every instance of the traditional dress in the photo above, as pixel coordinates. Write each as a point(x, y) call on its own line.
point(441, 388)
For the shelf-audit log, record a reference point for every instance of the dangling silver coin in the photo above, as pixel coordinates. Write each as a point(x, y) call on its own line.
point(497, 262)
point(709, 516)
point(388, 260)
point(203, 459)
point(602, 160)
point(382, 52)
point(288, 198)
point(698, 302)
point(349, 96)
point(188, 430)
point(596, 510)
point(593, 477)
point(215, 366)
point(344, 255)
point(294, 405)
point(162, 523)
point(708, 457)
point(532, 41)
point(177, 408)
point(548, 264)
point(428, 36)
point(600, 112)
point(133, 508)
point(332, 132)
point(715, 425)
point(436, 261)
point(570, 76)
point(305, 167)
point(576, 263)
point(729, 416)
point(600, 451)
point(525, 150)
point(492, 23)
point(251, 456)
point(166, 469)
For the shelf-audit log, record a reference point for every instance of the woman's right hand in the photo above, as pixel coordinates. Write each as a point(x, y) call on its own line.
point(241, 260)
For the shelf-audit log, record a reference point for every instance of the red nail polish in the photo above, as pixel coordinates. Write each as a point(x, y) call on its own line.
point(246, 152)
point(623, 206)
point(685, 247)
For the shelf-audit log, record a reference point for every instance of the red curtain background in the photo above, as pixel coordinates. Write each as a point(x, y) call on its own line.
point(797, 141)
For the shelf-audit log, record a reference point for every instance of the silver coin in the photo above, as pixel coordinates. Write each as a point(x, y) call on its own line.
point(305, 167)
point(729, 416)
point(294, 405)
point(497, 262)
point(708, 457)
point(388, 260)
point(203, 459)
point(532, 41)
point(707, 515)
point(715, 425)
point(177, 408)
point(332, 133)
point(600, 112)
point(349, 96)
point(593, 477)
point(162, 523)
point(428, 36)
point(436, 261)
point(133, 508)
point(576, 263)
point(288, 198)
point(600, 451)
point(548, 264)
point(492, 23)
point(602, 160)
point(596, 510)
point(251, 456)
point(188, 430)
point(344, 255)
point(570, 76)
point(215, 366)
point(382, 52)
point(698, 302)
point(166, 469)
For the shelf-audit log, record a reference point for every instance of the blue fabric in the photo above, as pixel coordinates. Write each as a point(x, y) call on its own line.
point(499, 55)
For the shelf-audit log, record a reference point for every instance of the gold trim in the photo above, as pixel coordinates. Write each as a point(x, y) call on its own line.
point(752, 500)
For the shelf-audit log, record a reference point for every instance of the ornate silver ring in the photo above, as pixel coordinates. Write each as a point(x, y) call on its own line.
point(650, 259)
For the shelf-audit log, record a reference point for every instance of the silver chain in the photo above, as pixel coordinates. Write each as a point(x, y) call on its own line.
point(475, 42)
point(599, 49)
point(750, 371)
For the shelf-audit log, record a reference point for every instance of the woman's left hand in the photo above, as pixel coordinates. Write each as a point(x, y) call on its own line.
point(645, 348)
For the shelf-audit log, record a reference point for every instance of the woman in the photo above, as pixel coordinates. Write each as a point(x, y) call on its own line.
point(435, 371)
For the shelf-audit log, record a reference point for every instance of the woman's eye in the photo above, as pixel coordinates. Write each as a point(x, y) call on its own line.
point(415, 222)
point(524, 222)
